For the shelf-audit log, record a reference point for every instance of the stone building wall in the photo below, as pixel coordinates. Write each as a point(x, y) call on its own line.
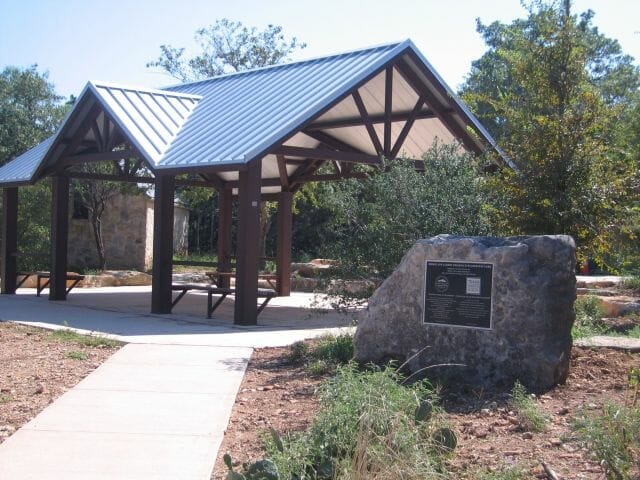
point(127, 229)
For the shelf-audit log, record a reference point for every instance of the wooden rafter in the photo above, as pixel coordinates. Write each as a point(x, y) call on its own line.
point(407, 128)
point(98, 157)
point(442, 113)
point(367, 121)
point(214, 180)
point(282, 171)
point(396, 117)
point(326, 154)
point(388, 109)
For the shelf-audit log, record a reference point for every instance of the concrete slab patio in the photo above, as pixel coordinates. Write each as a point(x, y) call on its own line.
point(158, 408)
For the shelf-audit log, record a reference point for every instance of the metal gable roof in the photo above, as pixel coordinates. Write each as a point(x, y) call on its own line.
point(22, 169)
point(150, 118)
point(230, 120)
point(243, 114)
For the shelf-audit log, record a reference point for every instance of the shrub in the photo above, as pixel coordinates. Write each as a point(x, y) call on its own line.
point(631, 283)
point(514, 472)
point(337, 349)
point(368, 426)
point(588, 318)
point(612, 437)
point(531, 419)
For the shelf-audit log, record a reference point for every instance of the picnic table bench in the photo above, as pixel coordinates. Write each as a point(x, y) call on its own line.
point(46, 276)
point(266, 293)
point(269, 277)
point(74, 278)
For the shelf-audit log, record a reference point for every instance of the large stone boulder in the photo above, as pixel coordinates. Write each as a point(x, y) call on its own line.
point(533, 292)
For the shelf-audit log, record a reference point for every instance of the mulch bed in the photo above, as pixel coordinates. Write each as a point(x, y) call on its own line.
point(35, 369)
point(278, 394)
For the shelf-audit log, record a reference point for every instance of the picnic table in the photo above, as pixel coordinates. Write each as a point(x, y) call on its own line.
point(215, 277)
point(43, 279)
point(222, 292)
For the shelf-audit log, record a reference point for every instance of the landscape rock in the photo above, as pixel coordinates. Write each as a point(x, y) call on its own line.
point(312, 268)
point(534, 289)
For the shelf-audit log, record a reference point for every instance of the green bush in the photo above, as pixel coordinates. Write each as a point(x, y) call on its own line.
point(531, 419)
point(612, 437)
point(368, 426)
point(631, 283)
point(506, 473)
point(337, 349)
point(588, 318)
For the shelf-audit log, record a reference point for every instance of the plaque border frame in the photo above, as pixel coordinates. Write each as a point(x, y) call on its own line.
point(450, 325)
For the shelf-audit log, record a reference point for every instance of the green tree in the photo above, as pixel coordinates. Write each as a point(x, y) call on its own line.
point(227, 47)
point(376, 220)
point(555, 93)
point(30, 111)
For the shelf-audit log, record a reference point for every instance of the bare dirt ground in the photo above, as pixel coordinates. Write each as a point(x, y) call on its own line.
point(279, 394)
point(36, 368)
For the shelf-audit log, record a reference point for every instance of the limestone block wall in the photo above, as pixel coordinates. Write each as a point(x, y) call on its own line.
point(127, 230)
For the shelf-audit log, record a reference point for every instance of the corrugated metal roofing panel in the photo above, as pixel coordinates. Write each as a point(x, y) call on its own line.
point(242, 115)
point(150, 118)
point(21, 169)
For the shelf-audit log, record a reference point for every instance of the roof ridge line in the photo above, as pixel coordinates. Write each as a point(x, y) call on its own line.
point(153, 91)
point(288, 64)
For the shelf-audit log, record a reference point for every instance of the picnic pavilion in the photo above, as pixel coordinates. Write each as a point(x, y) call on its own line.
point(252, 136)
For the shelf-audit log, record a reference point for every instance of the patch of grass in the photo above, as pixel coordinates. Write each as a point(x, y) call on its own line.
point(69, 336)
point(514, 472)
point(325, 355)
point(368, 426)
point(5, 398)
point(631, 283)
point(77, 355)
point(298, 352)
point(612, 437)
point(320, 367)
point(337, 349)
point(530, 416)
point(588, 318)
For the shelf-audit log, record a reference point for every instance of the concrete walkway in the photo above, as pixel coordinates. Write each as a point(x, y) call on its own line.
point(158, 408)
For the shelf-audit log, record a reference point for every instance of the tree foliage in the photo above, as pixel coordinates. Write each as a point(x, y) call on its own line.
point(556, 93)
point(30, 111)
point(227, 47)
point(378, 219)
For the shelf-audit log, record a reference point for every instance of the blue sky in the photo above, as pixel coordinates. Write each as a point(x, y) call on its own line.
point(112, 40)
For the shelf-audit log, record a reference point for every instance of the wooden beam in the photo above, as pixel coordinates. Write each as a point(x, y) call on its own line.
point(407, 128)
point(332, 142)
point(213, 179)
point(326, 154)
point(98, 137)
point(282, 171)
point(248, 256)
point(9, 232)
point(375, 119)
point(78, 138)
point(109, 178)
point(225, 204)
point(59, 237)
point(163, 206)
point(98, 157)
point(283, 249)
point(388, 108)
point(443, 113)
point(367, 121)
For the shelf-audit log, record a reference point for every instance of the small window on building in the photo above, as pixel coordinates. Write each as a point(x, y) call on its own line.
point(80, 212)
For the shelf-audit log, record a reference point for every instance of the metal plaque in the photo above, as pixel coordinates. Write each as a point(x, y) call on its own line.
point(458, 294)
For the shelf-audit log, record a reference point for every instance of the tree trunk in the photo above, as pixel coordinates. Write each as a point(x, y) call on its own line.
point(265, 224)
point(96, 224)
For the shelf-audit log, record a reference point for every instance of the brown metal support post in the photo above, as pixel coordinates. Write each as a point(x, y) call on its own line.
point(247, 255)
point(225, 204)
point(162, 244)
point(9, 239)
point(59, 237)
point(283, 254)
